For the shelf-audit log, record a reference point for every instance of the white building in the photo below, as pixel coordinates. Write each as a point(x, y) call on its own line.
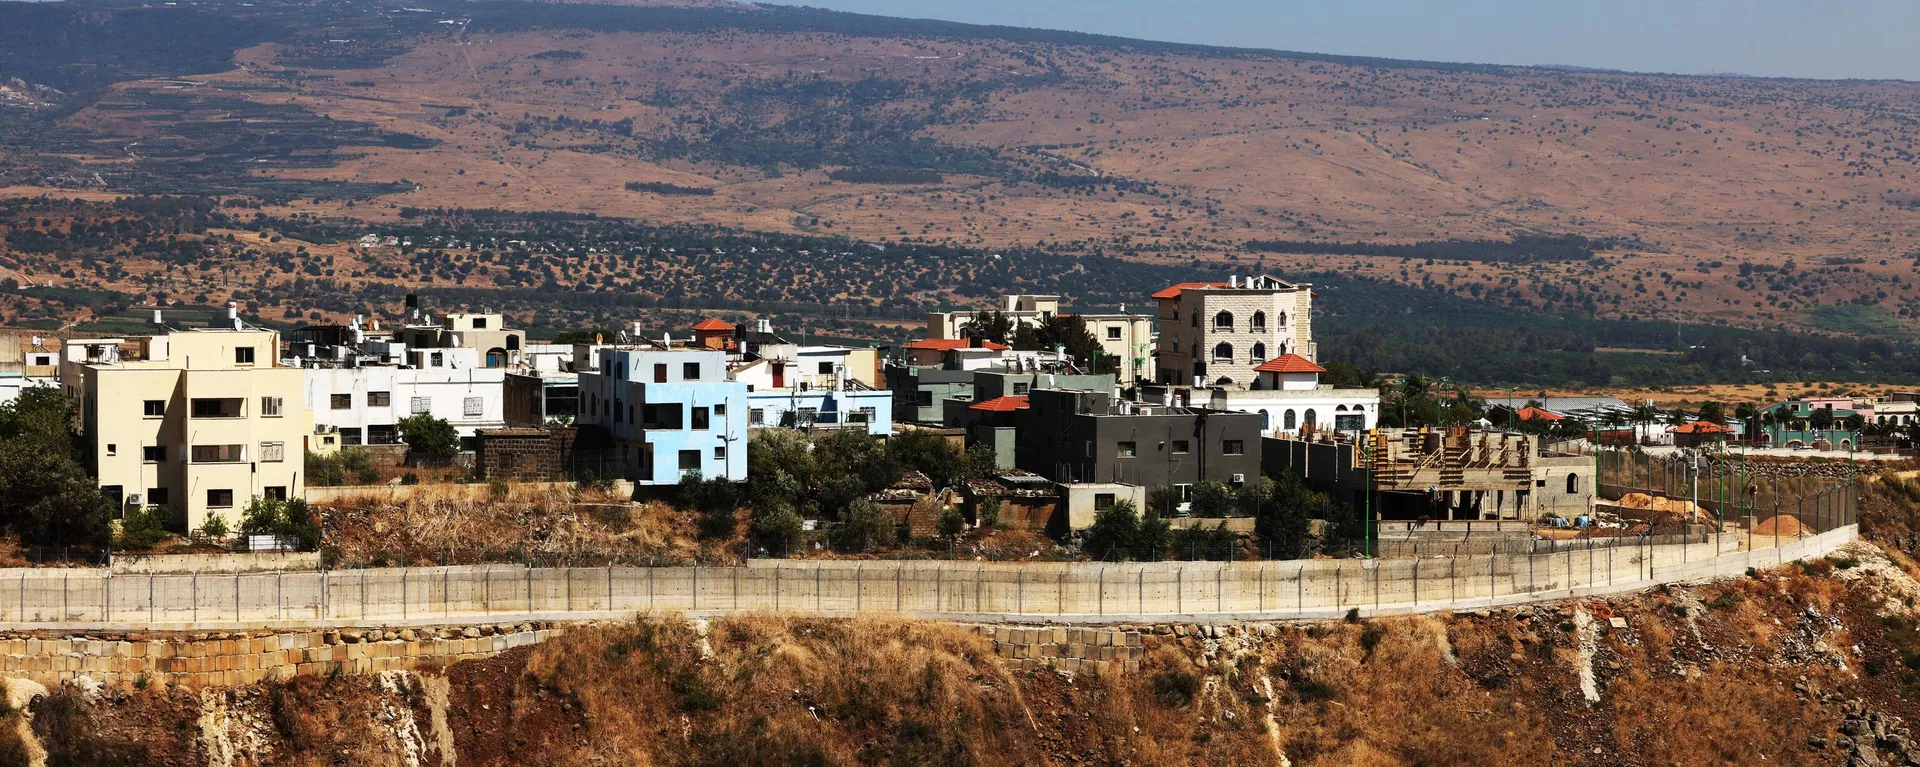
point(1125, 336)
point(363, 403)
point(1246, 345)
point(826, 398)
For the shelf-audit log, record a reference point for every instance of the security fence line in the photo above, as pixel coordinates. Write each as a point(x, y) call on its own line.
point(1077, 591)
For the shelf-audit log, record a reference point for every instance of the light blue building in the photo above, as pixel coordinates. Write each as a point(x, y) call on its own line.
point(669, 412)
point(821, 409)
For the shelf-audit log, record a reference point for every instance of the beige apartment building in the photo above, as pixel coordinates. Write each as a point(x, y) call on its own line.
point(197, 421)
point(1125, 336)
point(1219, 333)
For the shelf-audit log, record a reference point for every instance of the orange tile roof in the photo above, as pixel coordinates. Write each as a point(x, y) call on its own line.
point(1531, 413)
point(712, 323)
point(947, 344)
point(1289, 363)
point(1174, 292)
point(1001, 404)
point(1701, 427)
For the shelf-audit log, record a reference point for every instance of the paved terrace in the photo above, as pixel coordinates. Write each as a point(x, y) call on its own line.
point(1070, 593)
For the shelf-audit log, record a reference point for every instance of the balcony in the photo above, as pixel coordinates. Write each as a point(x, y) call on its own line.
point(224, 407)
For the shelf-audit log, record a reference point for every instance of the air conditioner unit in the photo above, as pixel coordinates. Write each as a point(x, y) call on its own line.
point(1239, 479)
point(134, 499)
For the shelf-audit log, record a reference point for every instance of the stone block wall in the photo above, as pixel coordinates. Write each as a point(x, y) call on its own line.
point(221, 659)
point(1072, 650)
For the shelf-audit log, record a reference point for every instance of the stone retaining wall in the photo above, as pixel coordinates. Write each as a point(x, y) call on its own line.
point(200, 660)
point(1072, 650)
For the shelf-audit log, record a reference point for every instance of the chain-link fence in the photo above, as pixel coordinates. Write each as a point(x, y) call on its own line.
point(1269, 589)
point(1769, 499)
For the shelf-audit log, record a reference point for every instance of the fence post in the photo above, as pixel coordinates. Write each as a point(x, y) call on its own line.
point(486, 590)
point(446, 592)
point(1336, 585)
point(153, 606)
point(1180, 590)
point(1264, 568)
point(816, 588)
point(196, 596)
point(1416, 584)
point(859, 585)
point(1141, 575)
point(610, 606)
point(696, 586)
point(66, 593)
point(1376, 585)
point(1493, 578)
point(404, 598)
point(1101, 599)
point(1061, 593)
point(1300, 590)
point(899, 582)
point(776, 587)
point(529, 582)
point(279, 594)
point(106, 599)
point(1220, 590)
point(736, 589)
point(1020, 581)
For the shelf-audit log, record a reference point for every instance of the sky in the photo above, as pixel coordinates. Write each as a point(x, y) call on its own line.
point(1773, 38)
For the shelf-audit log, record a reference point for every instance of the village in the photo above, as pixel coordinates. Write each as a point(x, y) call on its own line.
point(1204, 426)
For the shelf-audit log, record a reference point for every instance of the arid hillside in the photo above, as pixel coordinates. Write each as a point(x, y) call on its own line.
point(1697, 191)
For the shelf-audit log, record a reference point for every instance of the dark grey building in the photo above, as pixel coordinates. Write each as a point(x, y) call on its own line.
point(1087, 436)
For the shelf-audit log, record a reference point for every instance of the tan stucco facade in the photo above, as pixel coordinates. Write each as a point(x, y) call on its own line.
point(205, 425)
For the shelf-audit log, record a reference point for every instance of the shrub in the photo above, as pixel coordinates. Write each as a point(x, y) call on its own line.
point(352, 465)
point(952, 524)
point(215, 528)
point(865, 526)
point(988, 511)
point(428, 436)
point(1175, 688)
point(292, 519)
point(143, 527)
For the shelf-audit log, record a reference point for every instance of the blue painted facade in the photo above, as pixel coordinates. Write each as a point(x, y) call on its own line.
point(670, 412)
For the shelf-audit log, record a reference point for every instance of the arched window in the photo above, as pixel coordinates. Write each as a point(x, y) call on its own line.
point(1196, 319)
point(1283, 320)
point(1266, 420)
point(1287, 422)
point(1259, 353)
point(1339, 408)
point(1223, 352)
point(1259, 322)
point(1573, 484)
point(1224, 381)
point(1312, 419)
point(1223, 321)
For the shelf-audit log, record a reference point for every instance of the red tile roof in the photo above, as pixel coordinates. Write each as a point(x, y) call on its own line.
point(1701, 427)
point(1289, 363)
point(1531, 413)
point(1174, 292)
point(946, 344)
point(711, 323)
point(1001, 404)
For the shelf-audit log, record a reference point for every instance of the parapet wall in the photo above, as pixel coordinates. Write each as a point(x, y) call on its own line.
point(1085, 593)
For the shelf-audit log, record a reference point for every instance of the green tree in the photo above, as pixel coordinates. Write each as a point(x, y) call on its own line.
point(988, 511)
point(992, 325)
point(952, 524)
point(584, 335)
point(1152, 537)
point(1713, 412)
point(1822, 419)
point(1164, 500)
point(866, 526)
point(46, 494)
point(1114, 531)
point(1068, 332)
point(777, 525)
point(293, 519)
point(428, 436)
point(716, 499)
point(929, 453)
point(1213, 499)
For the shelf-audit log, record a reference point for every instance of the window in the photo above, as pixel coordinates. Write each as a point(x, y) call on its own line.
point(1223, 352)
point(1259, 353)
point(1128, 449)
point(342, 401)
point(218, 453)
point(1259, 322)
point(826, 368)
point(1102, 501)
point(700, 419)
point(689, 460)
point(923, 398)
point(379, 398)
point(1573, 484)
point(438, 359)
point(1233, 447)
point(273, 452)
point(719, 452)
point(479, 323)
point(1020, 388)
point(1287, 420)
point(154, 454)
point(421, 405)
point(156, 496)
point(1223, 322)
point(719, 411)
point(154, 408)
point(1312, 419)
point(862, 415)
point(689, 371)
point(1182, 447)
point(114, 493)
point(270, 406)
point(808, 414)
point(660, 373)
point(274, 492)
point(113, 449)
point(1349, 422)
point(216, 408)
point(220, 499)
point(513, 343)
point(1113, 332)
point(243, 355)
point(756, 416)
point(472, 407)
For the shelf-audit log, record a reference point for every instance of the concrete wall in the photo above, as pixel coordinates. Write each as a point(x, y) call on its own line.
point(1088, 592)
point(233, 562)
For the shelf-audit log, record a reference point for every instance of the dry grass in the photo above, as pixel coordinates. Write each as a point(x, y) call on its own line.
point(470, 524)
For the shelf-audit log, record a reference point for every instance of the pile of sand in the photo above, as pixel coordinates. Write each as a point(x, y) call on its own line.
point(1780, 525)
point(1664, 509)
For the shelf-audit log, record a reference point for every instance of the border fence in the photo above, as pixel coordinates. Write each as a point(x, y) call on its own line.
point(1811, 496)
point(1008, 591)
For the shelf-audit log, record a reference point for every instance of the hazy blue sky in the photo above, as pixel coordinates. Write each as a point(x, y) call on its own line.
point(1791, 38)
